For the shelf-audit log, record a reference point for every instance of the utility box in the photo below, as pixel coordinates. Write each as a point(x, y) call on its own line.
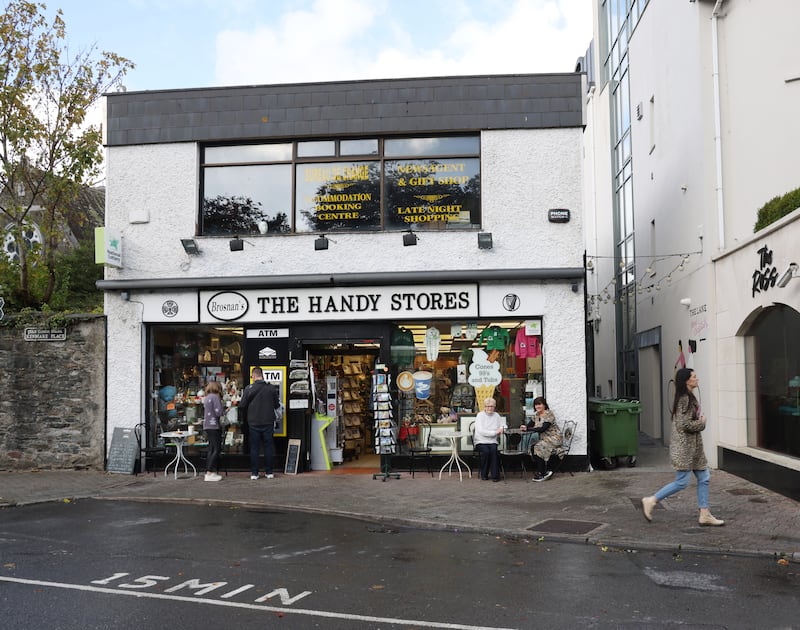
point(614, 431)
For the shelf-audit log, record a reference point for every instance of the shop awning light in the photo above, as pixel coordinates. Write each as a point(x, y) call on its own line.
point(787, 276)
point(409, 238)
point(236, 244)
point(320, 243)
point(190, 246)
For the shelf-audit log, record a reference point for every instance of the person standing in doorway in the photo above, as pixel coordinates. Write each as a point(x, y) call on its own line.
point(259, 402)
point(686, 449)
point(212, 411)
point(489, 425)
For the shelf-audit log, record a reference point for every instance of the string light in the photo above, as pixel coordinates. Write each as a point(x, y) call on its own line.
point(639, 287)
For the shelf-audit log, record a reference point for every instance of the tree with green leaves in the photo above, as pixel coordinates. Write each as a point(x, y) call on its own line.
point(49, 153)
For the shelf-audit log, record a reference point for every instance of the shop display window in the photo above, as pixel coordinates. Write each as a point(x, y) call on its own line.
point(183, 360)
point(774, 377)
point(444, 370)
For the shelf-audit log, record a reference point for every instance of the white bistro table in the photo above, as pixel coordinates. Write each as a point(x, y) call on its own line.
point(454, 457)
point(179, 437)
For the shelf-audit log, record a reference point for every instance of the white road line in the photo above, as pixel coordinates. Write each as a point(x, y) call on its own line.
point(285, 611)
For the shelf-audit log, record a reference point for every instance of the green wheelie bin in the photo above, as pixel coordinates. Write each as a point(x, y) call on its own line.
point(614, 431)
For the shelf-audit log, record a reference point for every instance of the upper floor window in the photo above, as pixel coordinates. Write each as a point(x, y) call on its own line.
point(341, 185)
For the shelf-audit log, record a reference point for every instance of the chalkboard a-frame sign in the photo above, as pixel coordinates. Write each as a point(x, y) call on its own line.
point(292, 457)
point(123, 452)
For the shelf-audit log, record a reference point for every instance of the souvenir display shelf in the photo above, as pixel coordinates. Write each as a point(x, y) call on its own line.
point(385, 428)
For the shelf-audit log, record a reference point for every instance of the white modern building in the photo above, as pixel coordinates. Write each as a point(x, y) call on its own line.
point(321, 230)
point(691, 128)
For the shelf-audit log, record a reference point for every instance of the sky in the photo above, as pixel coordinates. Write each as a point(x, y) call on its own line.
point(178, 44)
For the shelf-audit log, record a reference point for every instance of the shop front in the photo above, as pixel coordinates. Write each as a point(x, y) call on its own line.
point(441, 350)
point(410, 235)
point(759, 368)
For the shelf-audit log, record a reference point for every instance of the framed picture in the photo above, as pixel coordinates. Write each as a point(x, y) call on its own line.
point(437, 441)
point(464, 424)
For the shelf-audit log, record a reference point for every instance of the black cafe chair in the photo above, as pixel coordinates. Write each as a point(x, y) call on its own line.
point(147, 453)
point(419, 447)
point(477, 456)
point(511, 452)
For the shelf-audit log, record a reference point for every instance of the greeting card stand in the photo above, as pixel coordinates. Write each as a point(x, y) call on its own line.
point(385, 428)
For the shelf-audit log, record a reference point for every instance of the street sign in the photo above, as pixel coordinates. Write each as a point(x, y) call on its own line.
point(45, 334)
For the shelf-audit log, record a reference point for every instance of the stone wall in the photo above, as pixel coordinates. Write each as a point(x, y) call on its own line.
point(53, 402)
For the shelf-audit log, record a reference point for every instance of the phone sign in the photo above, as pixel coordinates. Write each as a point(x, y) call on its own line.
point(558, 215)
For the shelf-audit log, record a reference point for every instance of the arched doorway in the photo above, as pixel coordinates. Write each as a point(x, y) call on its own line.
point(775, 362)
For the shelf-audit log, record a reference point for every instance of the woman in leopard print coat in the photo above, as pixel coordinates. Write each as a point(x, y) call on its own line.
point(686, 449)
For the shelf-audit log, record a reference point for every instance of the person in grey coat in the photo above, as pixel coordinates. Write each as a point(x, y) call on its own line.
point(686, 449)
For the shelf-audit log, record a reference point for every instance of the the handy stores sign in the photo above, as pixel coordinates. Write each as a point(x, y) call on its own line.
point(356, 303)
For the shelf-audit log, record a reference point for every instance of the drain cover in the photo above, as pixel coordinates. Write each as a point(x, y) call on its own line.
point(557, 526)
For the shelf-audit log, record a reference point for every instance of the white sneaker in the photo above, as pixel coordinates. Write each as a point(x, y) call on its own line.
point(254, 477)
point(213, 477)
point(270, 476)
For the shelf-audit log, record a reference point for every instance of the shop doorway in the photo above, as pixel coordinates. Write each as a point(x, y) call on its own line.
point(774, 380)
point(342, 432)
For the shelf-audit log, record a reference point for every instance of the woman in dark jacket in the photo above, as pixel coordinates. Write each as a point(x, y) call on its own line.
point(686, 449)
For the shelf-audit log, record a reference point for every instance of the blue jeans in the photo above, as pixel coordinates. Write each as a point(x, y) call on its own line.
point(489, 460)
point(259, 435)
point(682, 480)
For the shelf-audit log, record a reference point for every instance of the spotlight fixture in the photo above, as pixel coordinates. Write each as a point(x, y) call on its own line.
point(409, 238)
point(190, 246)
point(787, 276)
point(320, 243)
point(236, 244)
point(484, 240)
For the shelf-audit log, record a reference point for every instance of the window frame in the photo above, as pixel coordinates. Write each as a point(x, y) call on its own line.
point(452, 147)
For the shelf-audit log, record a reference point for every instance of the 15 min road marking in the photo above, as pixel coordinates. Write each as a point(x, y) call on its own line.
point(285, 611)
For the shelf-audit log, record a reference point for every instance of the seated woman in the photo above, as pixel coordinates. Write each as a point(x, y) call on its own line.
point(546, 438)
point(489, 425)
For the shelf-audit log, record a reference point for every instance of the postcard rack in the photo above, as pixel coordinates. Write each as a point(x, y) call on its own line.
point(385, 428)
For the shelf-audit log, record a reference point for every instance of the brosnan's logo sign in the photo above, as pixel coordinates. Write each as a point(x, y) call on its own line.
point(228, 306)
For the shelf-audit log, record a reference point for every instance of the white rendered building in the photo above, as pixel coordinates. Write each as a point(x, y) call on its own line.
point(315, 226)
point(691, 128)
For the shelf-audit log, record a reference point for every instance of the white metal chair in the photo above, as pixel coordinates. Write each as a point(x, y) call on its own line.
point(567, 435)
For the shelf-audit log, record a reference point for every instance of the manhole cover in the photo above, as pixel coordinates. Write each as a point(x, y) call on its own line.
point(557, 526)
point(742, 491)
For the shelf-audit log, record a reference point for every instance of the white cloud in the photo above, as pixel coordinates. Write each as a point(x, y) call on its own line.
point(358, 39)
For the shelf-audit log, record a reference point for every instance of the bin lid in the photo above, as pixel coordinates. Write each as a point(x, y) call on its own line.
point(611, 406)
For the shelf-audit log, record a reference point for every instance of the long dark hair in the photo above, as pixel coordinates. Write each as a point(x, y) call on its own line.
point(681, 389)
